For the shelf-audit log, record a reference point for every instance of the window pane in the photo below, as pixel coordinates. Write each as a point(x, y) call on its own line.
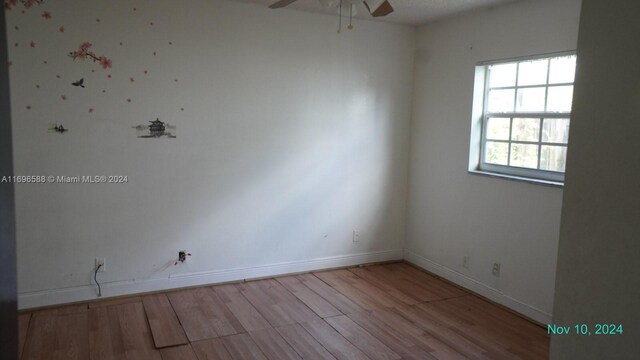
point(501, 100)
point(533, 72)
point(503, 75)
point(553, 158)
point(560, 98)
point(562, 69)
point(496, 153)
point(530, 99)
point(498, 128)
point(524, 155)
point(525, 129)
point(555, 130)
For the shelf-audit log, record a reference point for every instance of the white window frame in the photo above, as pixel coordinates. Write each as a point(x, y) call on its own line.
point(481, 117)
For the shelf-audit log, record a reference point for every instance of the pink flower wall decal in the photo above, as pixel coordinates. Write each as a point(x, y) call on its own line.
point(8, 4)
point(104, 62)
point(84, 52)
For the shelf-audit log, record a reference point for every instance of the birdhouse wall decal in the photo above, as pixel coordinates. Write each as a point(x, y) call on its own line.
point(156, 129)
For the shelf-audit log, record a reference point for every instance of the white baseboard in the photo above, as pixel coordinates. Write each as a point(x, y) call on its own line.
point(478, 287)
point(130, 287)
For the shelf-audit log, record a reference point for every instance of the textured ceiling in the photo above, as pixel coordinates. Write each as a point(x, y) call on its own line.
point(410, 12)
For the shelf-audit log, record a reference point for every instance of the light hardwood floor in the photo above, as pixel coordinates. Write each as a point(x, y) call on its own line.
point(378, 312)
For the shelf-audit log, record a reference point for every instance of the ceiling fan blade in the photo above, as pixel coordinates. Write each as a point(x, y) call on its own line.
point(378, 8)
point(281, 4)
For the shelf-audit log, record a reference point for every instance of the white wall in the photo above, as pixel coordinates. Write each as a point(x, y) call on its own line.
point(598, 272)
point(452, 213)
point(291, 137)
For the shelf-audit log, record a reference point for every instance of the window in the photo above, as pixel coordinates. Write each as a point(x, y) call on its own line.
point(526, 113)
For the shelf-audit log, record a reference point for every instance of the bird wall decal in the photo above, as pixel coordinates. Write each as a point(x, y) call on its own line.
point(79, 83)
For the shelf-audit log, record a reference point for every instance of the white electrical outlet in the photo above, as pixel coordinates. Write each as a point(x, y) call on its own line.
point(102, 262)
point(496, 269)
point(465, 262)
point(356, 236)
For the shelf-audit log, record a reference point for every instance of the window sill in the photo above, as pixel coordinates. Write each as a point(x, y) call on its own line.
point(555, 184)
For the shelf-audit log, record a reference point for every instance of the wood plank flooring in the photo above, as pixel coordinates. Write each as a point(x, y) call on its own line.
point(379, 312)
point(165, 327)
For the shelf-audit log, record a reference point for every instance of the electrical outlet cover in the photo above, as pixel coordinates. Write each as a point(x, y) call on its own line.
point(102, 262)
point(496, 269)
